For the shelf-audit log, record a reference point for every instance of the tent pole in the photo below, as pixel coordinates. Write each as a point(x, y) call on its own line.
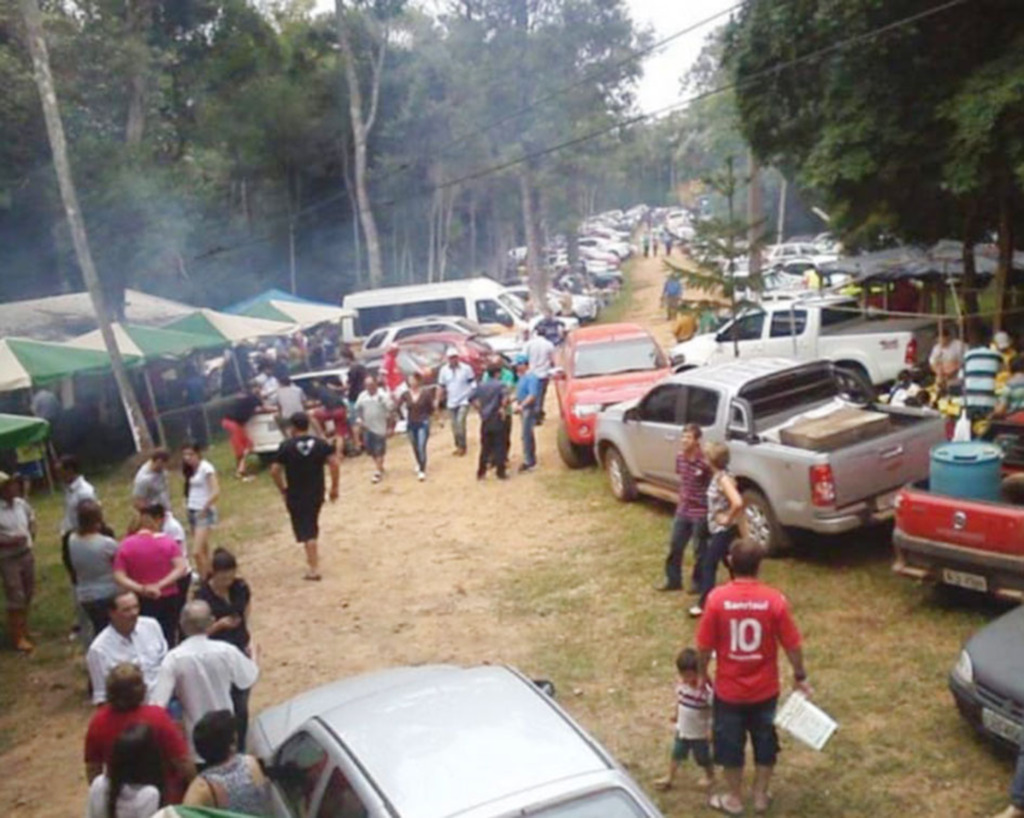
point(238, 369)
point(156, 409)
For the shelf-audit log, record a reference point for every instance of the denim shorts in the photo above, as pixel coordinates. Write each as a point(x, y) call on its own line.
point(374, 444)
point(700, 747)
point(202, 519)
point(732, 724)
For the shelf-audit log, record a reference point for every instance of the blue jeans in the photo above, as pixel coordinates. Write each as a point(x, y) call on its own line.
point(529, 444)
point(418, 434)
point(716, 551)
point(683, 530)
point(459, 415)
point(1017, 787)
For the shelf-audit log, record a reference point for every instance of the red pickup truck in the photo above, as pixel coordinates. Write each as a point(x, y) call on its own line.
point(969, 543)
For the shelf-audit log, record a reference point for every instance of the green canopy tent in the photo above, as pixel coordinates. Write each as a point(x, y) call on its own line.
point(25, 363)
point(21, 430)
point(150, 343)
point(233, 329)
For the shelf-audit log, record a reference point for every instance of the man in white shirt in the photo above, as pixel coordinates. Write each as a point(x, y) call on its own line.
point(150, 486)
point(129, 637)
point(457, 382)
point(541, 354)
point(267, 383)
point(200, 672)
point(76, 489)
point(17, 563)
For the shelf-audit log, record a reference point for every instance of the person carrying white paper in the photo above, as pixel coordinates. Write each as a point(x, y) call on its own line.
point(743, 624)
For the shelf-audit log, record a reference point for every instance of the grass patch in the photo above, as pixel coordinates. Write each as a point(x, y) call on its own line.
point(623, 305)
point(53, 679)
point(879, 649)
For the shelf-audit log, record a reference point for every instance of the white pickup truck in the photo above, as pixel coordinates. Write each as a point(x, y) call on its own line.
point(875, 348)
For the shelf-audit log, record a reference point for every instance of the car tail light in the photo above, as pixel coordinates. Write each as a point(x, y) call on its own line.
point(910, 356)
point(823, 486)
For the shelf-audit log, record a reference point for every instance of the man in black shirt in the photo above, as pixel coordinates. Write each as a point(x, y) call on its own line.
point(298, 472)
point(490, 398)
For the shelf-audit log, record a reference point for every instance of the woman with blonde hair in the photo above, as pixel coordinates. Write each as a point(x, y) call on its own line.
point(725, 510)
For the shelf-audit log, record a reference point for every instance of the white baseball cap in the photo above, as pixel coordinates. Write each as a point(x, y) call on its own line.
point(1002, 340)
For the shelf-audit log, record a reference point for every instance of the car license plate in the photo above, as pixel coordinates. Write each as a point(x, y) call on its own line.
point(1001, 726)
point(886, 502)
point(973, 582)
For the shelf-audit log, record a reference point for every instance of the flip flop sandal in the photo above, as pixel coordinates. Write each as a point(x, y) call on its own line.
point(312, 577)
point(717, 802)
point(767, 805)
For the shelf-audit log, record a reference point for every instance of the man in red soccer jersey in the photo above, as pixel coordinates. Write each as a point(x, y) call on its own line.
point(743, 624)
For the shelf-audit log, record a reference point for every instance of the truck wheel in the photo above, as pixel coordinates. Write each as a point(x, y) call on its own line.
point(621, 481)
point(855, 381)
point(762, 524)
point(573, 455)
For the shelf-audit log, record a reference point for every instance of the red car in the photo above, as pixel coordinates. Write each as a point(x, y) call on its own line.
point(602, 364)
point(472, 349)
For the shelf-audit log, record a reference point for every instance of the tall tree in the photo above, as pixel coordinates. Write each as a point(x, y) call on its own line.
point(55, 131)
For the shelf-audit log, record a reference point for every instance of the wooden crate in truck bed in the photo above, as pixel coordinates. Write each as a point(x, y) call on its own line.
point(840, 428)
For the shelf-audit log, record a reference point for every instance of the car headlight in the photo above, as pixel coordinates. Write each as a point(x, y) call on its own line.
point(582, 410)
point(963, 670)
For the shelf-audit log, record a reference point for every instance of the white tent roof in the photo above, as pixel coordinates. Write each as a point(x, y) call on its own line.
point(309, 315)
point(94, 340)
point(59, 317)
point(234, 328)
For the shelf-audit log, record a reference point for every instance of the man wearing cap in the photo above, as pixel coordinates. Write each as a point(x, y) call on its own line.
point(526, 406)
point(17, 565)
point(457, 382)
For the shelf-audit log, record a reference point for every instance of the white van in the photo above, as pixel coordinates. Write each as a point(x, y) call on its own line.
point(480, 299)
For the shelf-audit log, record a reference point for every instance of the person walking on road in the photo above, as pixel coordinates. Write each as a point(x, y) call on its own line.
point(690, 522)
point(527, 400)
point(298, 473)
point(418, 403)
point(373, 413)
point(456, 381)
point(540, 353)
point(671, 295)
point(202, 490)
point(744, 622)
point(490, 399)
point(725, 508)
point(17, 563)
point(76, 490)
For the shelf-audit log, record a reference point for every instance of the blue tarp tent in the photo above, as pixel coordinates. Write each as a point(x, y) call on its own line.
point(273, 294)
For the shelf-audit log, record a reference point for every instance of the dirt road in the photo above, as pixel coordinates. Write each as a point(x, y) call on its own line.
point(409, 570)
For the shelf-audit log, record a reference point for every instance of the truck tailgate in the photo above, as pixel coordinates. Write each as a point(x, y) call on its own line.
point(997, 528)
point(882, 464)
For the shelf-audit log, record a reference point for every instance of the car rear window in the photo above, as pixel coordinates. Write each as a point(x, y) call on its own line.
point(616, 357)
point(792, 389)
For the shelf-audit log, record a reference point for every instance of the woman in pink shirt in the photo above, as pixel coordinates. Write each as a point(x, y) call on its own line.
point(150, 563)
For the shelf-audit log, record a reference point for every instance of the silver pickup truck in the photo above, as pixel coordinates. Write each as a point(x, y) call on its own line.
point(747, 403)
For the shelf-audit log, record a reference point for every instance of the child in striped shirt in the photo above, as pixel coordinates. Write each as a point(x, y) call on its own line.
point(692, 718)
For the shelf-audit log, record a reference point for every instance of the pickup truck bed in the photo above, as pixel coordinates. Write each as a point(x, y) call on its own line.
point(968, 543)
point(871, 326)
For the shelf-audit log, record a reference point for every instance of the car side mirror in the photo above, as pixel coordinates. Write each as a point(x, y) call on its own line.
point(631, 415)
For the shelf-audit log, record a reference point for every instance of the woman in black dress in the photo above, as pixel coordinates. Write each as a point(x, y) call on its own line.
point(229, 599)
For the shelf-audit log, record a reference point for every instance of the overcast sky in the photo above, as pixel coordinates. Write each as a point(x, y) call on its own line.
point(663, 69)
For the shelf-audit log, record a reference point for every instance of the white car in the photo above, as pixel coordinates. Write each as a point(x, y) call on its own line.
point(581, 307)
point(384, 337)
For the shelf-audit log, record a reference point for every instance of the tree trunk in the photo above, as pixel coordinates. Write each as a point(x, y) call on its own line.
point(755, 216)
point(139, 18)
point(447, 212)
point(362, 125)
point(536, 278)
point(472, 232)
point(62, 166)
point(1004, 265)
point(350, 189)
point(970, 238)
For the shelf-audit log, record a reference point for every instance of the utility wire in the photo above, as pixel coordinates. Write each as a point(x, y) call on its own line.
point(752, 79)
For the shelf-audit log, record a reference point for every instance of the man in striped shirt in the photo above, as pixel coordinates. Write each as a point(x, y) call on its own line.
point(981, 366)
point(691, 511)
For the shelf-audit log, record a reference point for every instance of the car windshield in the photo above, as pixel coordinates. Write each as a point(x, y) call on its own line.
point(616, 357)
point(513, 305)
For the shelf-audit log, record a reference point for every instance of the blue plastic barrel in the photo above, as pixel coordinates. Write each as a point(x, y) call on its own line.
point(970, 470)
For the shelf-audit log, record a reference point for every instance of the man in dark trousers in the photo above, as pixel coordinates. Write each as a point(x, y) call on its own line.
point(298, 472)
point(490, 399)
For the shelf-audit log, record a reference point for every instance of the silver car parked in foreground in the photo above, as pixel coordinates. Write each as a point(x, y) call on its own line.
point(436, 741)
